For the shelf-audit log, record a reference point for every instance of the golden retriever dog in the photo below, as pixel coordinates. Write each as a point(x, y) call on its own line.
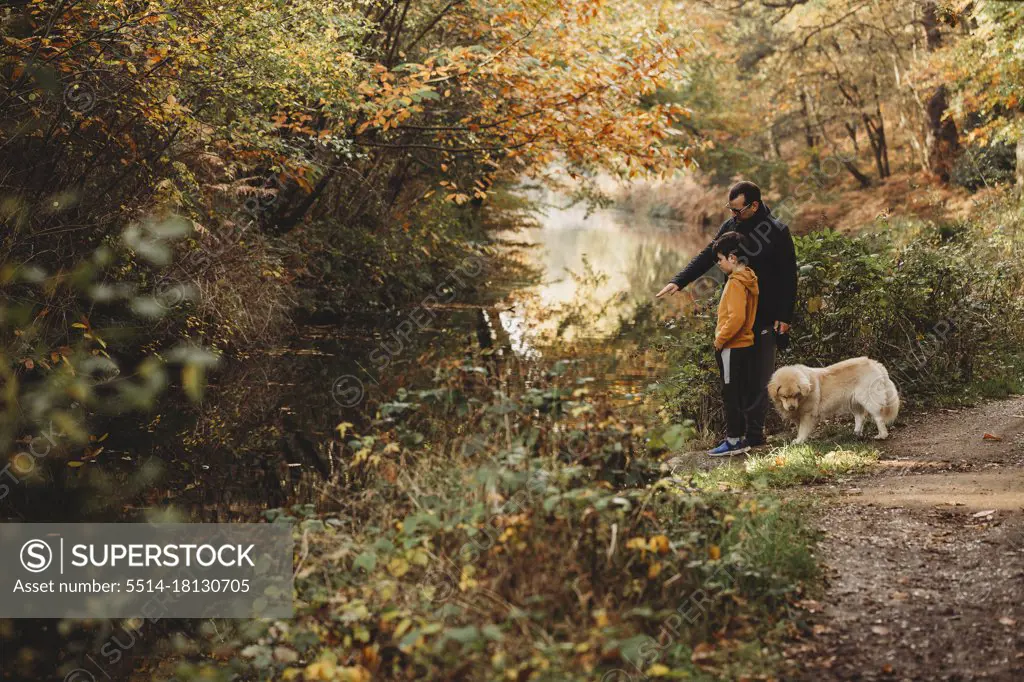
point(858, 386)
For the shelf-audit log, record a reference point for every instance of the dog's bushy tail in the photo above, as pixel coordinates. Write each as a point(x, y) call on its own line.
point(890, 408)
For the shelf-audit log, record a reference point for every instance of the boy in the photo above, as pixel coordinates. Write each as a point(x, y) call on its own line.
point(734, 339)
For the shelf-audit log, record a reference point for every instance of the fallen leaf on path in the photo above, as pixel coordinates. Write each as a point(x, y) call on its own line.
point(887, 669)
point(879, 630)
point(1007, 621)
point(899, 596)
point(989, 436)
point(987, 512)
point(702, 652)
point(810, 605)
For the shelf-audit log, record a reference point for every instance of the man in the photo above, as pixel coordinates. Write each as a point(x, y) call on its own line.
point(772, 258)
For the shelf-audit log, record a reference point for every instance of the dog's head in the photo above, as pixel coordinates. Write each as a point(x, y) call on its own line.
point(788, 388)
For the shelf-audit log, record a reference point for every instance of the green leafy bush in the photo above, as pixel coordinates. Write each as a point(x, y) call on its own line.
point(941, 307)
point(70, 360)
point(978, 167)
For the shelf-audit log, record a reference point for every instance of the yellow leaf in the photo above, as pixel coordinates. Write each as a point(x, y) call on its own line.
point(715, 552)
point(75, 465)
point(193, 380)
point(658, 670)
point(398, 567)
point(654, 570)
point(403, 626)
point(320, 670)
point(360, 457)
point(659, 544)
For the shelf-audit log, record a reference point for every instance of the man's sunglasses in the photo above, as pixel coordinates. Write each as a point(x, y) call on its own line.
point(737, 211)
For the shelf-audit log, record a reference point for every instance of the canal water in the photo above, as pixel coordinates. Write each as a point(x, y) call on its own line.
point(604, 262)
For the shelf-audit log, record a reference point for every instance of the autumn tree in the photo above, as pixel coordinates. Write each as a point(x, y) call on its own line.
point(986, 70)
point(841, 77)
point(255, 117)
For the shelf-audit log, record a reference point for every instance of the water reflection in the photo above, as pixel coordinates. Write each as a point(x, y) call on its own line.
point(599, 265)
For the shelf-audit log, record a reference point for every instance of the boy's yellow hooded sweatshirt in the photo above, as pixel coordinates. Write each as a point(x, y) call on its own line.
point(735, 328)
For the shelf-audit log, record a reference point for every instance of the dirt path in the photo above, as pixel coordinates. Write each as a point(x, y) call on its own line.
point(926, 557)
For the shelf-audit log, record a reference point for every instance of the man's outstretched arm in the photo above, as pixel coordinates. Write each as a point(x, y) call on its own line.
point(697, 266)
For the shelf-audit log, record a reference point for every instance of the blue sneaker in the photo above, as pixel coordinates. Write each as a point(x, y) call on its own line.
point(724, 449)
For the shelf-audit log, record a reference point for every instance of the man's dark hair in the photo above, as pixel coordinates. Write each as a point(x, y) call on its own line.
point(730, 243)
point(749, 190)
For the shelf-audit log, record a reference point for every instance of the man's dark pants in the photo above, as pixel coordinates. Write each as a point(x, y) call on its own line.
point(763, 366)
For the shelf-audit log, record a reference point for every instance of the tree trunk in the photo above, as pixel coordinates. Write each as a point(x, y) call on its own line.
point(773, 141)
point(1020, 165)
point(289, 222)
point(848, 163)
point(943, 138)
point(930, 20)
point(876, 144)
point(883, 145)
point(851, 130)
point(809, 137)
point(864, 180)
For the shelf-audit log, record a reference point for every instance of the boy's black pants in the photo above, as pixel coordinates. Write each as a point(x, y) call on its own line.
point(736, 366)
point(762, 367)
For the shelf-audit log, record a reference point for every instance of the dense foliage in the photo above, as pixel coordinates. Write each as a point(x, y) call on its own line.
point(503, 524)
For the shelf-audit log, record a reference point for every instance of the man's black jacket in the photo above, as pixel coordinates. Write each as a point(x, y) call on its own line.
point(772, 258)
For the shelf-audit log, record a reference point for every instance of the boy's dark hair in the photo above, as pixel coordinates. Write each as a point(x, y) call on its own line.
point(730, 243)
point(749, 190)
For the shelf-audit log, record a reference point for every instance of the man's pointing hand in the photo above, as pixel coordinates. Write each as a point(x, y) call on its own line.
point(668, 290)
